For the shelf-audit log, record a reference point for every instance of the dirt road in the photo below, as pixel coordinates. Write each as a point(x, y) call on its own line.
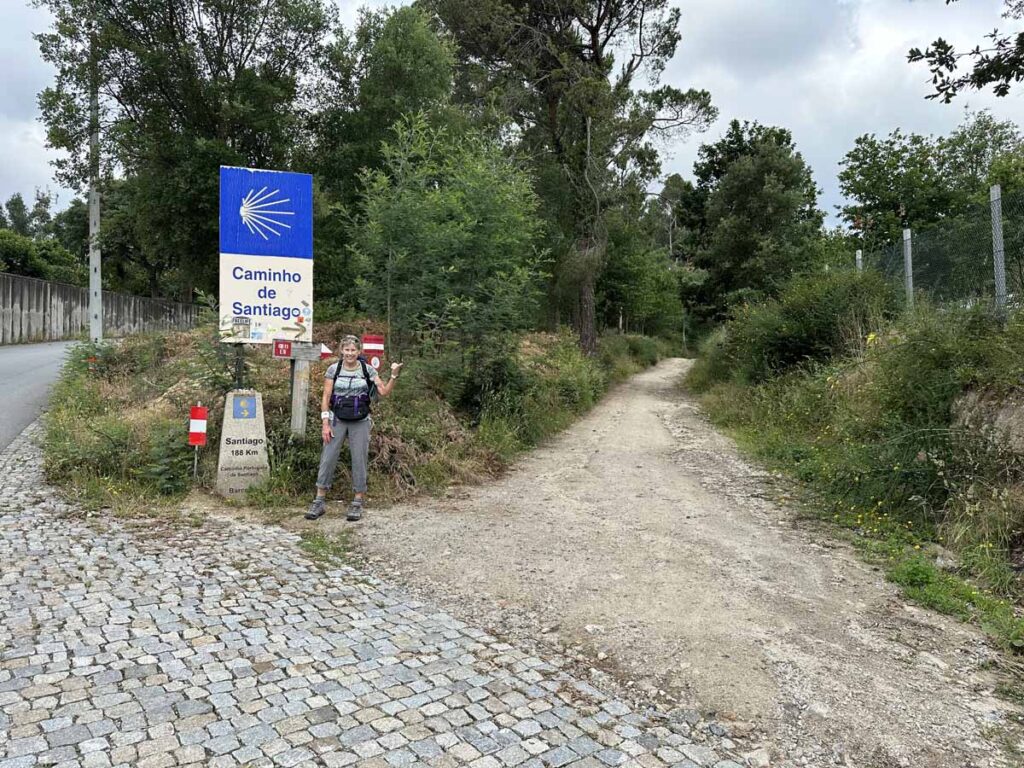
point(641, 535)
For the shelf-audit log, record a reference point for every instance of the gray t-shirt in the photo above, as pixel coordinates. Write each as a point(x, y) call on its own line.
point(350, 382)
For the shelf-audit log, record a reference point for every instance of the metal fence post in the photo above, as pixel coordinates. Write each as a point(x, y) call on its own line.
point(908, 267)
point(998, 248)
point(860, 260)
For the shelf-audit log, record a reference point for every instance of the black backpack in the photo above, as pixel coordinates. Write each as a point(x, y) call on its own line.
point(353, 407)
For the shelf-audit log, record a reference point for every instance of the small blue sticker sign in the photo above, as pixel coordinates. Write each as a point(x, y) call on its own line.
point(266, 213)
point(244, 407)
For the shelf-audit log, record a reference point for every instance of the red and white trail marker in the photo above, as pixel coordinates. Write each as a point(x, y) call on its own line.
point(197, 425)
point(373, 348)
point(325, 352)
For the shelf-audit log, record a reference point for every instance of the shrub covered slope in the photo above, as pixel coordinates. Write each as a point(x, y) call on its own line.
point(117, 429)
point(862, 403)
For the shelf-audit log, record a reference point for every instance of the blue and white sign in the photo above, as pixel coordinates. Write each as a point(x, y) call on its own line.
point(266, 256)
point(266, 213)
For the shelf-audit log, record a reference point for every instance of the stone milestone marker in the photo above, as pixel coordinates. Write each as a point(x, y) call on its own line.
point(243, 444)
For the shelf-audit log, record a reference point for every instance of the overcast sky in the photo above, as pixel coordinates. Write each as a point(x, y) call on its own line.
point(829, 70)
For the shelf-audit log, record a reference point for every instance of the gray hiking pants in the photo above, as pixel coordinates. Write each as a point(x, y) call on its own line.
point(358, 433)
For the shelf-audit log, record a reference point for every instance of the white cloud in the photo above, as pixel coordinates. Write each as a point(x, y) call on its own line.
point(24, 157)
point(829, 70)
point(836, 71)
point(754, 36)
point(25, 162)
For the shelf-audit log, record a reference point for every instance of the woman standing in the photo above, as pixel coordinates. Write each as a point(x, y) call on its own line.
point(349, 387)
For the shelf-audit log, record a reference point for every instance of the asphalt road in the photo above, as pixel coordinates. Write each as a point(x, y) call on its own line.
point(26, 373)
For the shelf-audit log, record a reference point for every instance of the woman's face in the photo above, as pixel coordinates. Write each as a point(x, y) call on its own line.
point(349, 353)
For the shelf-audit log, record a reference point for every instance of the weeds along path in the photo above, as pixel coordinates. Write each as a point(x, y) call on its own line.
point(642, 540)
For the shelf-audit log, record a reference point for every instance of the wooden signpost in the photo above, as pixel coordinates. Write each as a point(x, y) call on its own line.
point(301, 355)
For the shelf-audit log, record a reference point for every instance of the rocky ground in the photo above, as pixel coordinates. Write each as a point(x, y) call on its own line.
point(641, 545)
point(216, 642)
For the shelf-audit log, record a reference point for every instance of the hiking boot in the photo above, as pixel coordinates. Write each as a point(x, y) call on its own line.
point(317, 508)
point(355, 510)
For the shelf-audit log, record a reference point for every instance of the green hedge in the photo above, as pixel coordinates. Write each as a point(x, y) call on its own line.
point(814, 318)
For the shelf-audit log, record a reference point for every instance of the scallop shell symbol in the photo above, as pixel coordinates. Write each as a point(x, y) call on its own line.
point(261, 213)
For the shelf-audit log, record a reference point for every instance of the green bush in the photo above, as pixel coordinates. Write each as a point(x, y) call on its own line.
point(42, 259)
point(814, 318)
point(644, 350)
point(168, 457)
point(712, 364)
point(613, 352)
point(913, 572)
point(536, 398)
point(19, 253)
point(622, 355)
point(491, 370)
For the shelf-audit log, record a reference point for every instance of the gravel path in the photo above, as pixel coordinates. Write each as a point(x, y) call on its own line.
point(639, 542)
point(155, 644)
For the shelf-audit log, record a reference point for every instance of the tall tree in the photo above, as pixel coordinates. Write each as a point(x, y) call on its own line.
point(763, 222)
point(19, 218)
point(892, 181)
point(186, 85)
point(583, 119)
point(712, 163)
point(638, 290)
point(739, 140)
point(447, 234)
point(40, 218)
point(967, 155)
point(70, 228)
point(392, 65)
point(680, 206)
point(913, 180)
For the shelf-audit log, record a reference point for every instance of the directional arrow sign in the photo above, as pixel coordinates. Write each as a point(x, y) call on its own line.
point(294, 350)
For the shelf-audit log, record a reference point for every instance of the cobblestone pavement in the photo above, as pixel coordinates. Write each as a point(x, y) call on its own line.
point(221, 645)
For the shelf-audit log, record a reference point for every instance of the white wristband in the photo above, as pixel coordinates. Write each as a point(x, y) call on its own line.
point(325, 414)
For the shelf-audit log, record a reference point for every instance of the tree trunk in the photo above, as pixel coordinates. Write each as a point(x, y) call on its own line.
point(589, 258)
point(586, 329)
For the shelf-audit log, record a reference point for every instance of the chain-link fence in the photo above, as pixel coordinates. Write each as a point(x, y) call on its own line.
point(888, 261)
point(1013, 239)
point(974, 257)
